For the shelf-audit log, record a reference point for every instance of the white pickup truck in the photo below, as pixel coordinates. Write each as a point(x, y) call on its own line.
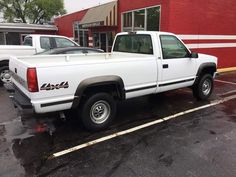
point(140, 63)
point(32, 44)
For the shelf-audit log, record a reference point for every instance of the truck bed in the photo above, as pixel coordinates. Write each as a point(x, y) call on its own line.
point(59, 60)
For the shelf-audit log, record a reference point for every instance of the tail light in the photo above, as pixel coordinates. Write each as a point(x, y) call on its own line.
point(32, 80)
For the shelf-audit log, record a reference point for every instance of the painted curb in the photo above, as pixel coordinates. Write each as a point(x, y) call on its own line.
point(222, 70)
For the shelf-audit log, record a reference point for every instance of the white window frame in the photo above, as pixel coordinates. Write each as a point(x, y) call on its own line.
point(83, 31)
point(76, 27)
point(145, 18)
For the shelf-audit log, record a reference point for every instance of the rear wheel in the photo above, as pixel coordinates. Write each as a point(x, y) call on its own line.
point(204, 87)
point(98, 111)
point(5, 76)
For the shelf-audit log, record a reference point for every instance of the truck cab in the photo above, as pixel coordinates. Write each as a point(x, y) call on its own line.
point(42, 43)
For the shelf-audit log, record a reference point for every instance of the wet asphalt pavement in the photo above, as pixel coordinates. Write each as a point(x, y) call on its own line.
point(198, 144)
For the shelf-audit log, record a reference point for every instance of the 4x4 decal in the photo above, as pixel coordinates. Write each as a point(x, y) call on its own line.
point(49, 86)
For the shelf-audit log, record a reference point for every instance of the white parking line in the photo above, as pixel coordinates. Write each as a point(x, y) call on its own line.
point(226, 82)
point(227, 93)
point(93, 142)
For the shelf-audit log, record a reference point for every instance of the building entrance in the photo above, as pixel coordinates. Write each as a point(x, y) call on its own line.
point(103, 41)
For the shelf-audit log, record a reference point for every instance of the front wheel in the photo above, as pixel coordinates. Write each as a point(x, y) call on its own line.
point(98, 111)
point(204, 87)
point(5, 76)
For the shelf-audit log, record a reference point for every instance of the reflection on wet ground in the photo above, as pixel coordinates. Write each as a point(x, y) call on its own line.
point(27, 140)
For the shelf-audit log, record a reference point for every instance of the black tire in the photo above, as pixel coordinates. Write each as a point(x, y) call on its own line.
point(98, 111)
point(3, 69)
point(203, 88)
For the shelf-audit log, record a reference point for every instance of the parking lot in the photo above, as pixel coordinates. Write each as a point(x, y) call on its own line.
point(165, 135)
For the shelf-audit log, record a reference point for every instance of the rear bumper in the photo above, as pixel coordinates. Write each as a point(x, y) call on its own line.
point(19, 99)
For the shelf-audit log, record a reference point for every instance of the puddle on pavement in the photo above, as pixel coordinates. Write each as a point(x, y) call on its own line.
point(27, 141)
point(22, 128)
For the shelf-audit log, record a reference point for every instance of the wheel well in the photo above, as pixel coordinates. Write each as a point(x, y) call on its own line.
point(208, 70)
point(112, 89)
point(4, 63)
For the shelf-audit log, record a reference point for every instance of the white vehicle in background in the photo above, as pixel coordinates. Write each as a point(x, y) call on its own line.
point(140, 63)
point(33, 44)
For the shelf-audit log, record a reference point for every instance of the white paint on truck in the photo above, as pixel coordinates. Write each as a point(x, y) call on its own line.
point(159, 67)
point(33, 44)
point(23, 50)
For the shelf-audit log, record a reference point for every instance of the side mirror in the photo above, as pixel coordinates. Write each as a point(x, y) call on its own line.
point(194, 55)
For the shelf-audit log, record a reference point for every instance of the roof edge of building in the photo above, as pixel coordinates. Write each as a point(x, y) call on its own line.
point(84, 9)
point(28, 26)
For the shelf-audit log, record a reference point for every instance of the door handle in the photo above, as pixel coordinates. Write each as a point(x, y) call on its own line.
point(165, 66)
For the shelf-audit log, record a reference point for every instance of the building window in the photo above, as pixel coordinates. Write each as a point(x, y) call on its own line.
point(2, 39)
point(12, 38)
point(76, 31)
point(110, 40)
point(127, 18)
point(96, 40)
point(153, 15)
point(139, 20)
point(80, 35)
point(147, 19)
point(83, 37)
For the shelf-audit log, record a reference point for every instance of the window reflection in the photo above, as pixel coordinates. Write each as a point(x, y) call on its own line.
point(139, 20)
point(127, 18)
point(153, 16)
point(145, 19)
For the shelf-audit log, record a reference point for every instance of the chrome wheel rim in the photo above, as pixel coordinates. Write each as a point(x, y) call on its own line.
point(206, 87)
point(5, 76)
point(100, 112)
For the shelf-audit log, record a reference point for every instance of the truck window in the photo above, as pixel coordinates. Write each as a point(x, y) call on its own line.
point(45, 43)
point(62, 42)
point(137, 43)
point(28, 41)
point(172, 47)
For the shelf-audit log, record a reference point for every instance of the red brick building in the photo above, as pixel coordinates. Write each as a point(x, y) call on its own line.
point(207, 26)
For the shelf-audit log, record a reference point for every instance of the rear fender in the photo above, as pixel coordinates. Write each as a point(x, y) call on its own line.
point(99, 82)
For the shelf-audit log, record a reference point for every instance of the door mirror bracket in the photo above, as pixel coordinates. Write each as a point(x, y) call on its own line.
point(194, 55)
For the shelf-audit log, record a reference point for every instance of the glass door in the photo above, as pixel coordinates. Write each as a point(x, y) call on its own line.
point(103, 42)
